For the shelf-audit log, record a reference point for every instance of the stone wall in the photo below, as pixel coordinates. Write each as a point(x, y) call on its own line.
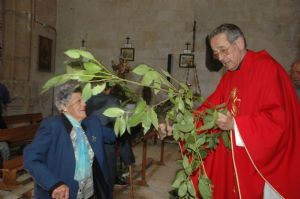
point(161, 27)
point(24, 22)
point(156, 28)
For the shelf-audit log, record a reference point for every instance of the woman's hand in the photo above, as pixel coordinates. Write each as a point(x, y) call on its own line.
point(61, 192)
point(164, 130)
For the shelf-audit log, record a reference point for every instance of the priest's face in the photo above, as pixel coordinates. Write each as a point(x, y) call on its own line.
point(230, 54)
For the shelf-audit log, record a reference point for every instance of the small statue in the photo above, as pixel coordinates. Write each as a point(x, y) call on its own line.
point(122, 68)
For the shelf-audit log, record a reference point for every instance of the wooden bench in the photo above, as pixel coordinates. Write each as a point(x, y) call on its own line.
point(18, 135)
point(22, 119)
point(15, 137)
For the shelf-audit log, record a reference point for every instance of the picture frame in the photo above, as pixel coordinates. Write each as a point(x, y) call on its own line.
point(127, 54)
point(45, 54)
point(186, 60)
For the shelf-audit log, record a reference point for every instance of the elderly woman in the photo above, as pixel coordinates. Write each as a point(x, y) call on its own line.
point(66, 158)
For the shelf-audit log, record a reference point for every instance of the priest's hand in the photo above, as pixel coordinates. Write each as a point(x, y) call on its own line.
point(225, 122)
point(61, 192)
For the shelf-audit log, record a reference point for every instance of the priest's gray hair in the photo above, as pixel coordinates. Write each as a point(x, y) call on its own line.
point(64, 92)
point(232, 32)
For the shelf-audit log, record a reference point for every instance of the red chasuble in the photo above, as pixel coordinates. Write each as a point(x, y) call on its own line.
point(267, 113)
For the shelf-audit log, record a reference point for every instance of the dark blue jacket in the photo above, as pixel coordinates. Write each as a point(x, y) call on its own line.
point(50, 157)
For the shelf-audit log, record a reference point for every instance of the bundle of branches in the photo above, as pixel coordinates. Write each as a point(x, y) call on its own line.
point(178, 109)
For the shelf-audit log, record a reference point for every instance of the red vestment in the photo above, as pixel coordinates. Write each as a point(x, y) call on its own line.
point(268, 118)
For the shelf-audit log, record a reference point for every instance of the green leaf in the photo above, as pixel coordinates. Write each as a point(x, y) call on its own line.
point(200, 141)
point(151, 76)
point(223, 105)
point(91, 68)
point(226, 139)
point(207, 118)
point(120, 126)
point(210, 110)
point(204, 187)
point(157, 87)
point(188, 117)
point(141, 69)
point(185, 162)
point(155, 75)
point(182, 190)
point(140, 107)
point(136, 118)
point(55, 81)
point(146, 123)
point(153, 117)
point(224, 111)
point(70, 69)
point(189, 102)
point(73, 53)
point(86, 54)
point(212, 140)
point(81, 75)
point(165, 81)
point(179, 103)
point(98, 89)
point(113, 112)
point(191, 147)
point(176, 134)
point(207, 126)
point(181, 174)
point(86, 77)
point(189, 139)
point(184, 86)
point(202, 153)
point(180, 177)
point(195, 164)
point(147, 80)
point(215, 116)
point(183, 127)
point(171, 114)
point(87, 92)
point(176, 183)
point(170, 93)
point(191, 189)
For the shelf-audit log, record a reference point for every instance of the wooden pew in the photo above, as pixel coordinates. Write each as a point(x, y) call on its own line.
point(15, 137)
point(9, 172)
point(18, 135)
point(22, 119)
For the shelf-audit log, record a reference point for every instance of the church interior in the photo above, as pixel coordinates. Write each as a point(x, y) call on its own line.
point(164, 34)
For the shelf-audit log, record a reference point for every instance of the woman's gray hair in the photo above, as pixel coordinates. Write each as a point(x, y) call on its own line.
point(232, 32)
point(63, 93)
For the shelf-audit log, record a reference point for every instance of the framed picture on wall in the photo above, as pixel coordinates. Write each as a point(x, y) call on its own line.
point(45, 54)
point(186, 61)
point(127, 53)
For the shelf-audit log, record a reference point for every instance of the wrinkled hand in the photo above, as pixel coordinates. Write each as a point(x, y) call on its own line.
point(225, 122)
point(164, 130)
point(61, 192)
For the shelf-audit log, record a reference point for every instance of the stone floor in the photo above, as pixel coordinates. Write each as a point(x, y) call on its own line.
point(159, 178)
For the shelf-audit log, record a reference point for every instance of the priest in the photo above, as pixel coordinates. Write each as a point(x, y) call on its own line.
point(263, 118)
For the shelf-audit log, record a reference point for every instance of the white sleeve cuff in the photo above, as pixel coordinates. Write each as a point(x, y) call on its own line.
point(238, 138)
